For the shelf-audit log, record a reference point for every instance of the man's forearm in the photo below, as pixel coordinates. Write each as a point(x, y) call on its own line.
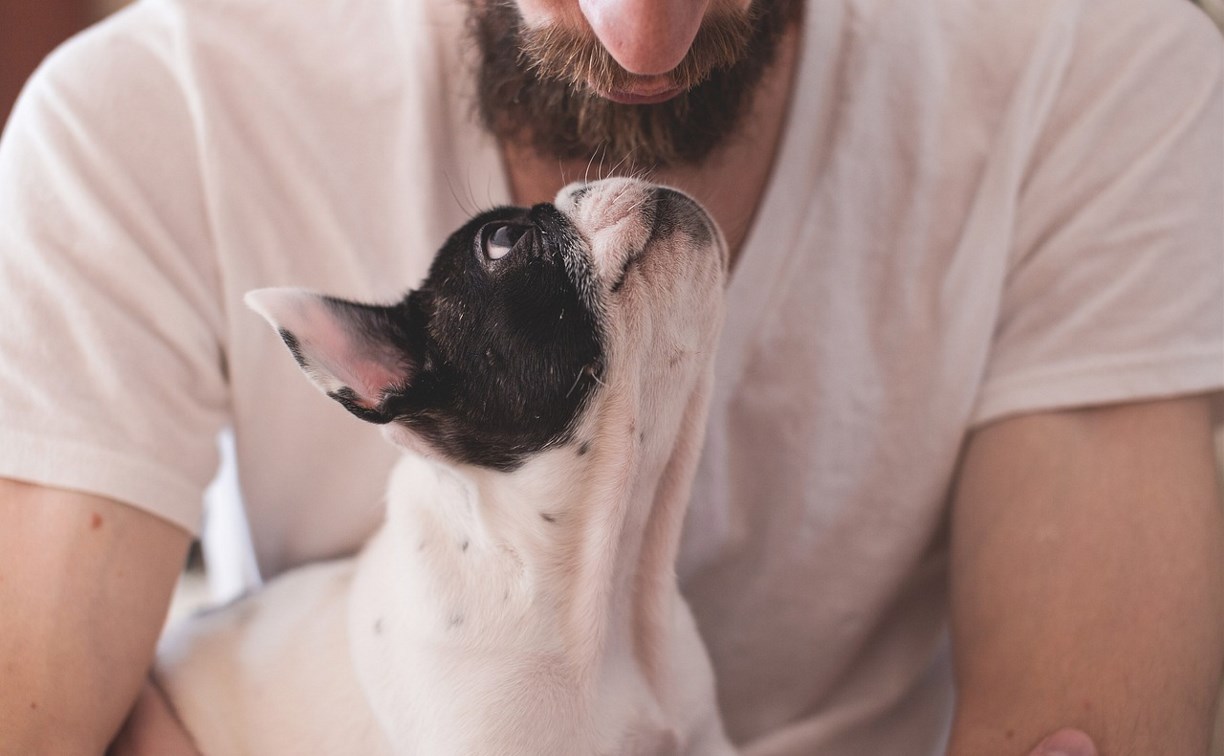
point(153, 729)
point(1087, 584)
point(1020, 729)
point(84, 584)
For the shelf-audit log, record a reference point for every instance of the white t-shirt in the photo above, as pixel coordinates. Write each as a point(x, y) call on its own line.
point(979, 209)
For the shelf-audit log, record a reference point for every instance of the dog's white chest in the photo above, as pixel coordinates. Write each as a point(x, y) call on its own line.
point(271, 673)
point(474, 647)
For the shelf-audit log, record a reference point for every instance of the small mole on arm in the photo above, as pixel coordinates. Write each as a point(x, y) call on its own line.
point(547, 517)
point(95, 521)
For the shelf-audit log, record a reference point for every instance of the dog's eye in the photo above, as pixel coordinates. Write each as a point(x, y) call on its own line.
point(499, 239)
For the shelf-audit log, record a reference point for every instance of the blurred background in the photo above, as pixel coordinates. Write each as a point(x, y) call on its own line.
point(29, 30)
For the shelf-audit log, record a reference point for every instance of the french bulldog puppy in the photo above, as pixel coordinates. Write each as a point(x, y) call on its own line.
point(548, 383)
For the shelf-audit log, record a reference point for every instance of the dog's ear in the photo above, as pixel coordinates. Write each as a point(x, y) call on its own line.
point(354, 353)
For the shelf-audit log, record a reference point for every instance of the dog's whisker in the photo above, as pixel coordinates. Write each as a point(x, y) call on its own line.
point(587, 371)
point(450, 186)
point(488, 192)
point(620, 163)
point(595, 376)
point(586, 176)
point(636, 206)
point(575, 384)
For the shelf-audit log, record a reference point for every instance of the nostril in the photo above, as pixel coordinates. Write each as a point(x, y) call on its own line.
point(630, 205)
point(576, 195)
point(609, 203)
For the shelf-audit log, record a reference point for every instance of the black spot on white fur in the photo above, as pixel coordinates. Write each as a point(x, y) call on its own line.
point(295, 348)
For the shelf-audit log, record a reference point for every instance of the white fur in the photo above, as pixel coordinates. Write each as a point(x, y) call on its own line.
point(533, 612)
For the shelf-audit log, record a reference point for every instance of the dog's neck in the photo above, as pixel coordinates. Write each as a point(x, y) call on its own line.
point(592, 527)
point(555, 582)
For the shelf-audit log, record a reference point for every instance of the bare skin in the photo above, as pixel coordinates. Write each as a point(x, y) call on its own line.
point(152, 729)
point(85, 583)
point(1087, 587)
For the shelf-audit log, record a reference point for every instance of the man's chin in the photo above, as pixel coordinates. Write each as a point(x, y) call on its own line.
point(642, 97)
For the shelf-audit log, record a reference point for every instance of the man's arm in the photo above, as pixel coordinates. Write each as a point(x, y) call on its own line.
point(1088, 581)
point(84, 587)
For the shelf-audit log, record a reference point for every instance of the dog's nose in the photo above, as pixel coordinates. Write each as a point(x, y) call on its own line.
point(615, 215)
point(606, 200)
point(620, 205)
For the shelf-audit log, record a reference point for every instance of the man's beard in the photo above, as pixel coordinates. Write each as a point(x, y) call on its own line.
point(537, 87)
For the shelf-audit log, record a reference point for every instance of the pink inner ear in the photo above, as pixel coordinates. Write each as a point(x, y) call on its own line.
point(367, 368)
point(337, 354)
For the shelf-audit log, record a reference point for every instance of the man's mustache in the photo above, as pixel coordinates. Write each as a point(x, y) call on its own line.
point(577, 57)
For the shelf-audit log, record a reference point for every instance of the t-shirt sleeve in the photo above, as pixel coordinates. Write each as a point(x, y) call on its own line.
point(111, 371)
point(1116, 286)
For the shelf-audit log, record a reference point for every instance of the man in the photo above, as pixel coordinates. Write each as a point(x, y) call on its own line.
point(974, 329)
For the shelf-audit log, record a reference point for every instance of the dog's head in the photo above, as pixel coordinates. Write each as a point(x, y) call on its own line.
point(528, 316)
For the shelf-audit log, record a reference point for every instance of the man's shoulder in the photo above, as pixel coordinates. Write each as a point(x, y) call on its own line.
point(987, 61)
point(938, 54)
point(1007, 34)
point(221, 46)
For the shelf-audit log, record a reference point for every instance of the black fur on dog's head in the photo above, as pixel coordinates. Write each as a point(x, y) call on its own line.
point(489, 360)
point(495, 355)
